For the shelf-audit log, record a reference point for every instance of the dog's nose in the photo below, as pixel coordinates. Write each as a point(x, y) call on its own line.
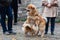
point(28, 10)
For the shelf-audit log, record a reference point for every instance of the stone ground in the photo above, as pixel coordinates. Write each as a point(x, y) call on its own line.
point(20, 34)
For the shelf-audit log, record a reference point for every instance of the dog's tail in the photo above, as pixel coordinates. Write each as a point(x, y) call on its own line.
point(44, 18)
point(26, 27)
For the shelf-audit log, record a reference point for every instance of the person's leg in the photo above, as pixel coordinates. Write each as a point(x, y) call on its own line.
point(52, 25)
point(10, 18)
point(19, 1)
point(47, 25)
point(15, 9)
point(15, 14)
point(3, 16)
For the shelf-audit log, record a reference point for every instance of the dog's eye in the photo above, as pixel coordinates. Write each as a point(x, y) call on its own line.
point(33, 8)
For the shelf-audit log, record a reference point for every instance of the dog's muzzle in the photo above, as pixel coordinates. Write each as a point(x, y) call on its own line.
point(28, 10)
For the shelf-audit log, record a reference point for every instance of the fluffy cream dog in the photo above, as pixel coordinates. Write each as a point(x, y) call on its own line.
point(34, 18)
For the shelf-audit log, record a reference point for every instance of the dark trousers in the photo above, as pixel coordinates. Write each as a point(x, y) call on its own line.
point(52, 21)
point(19, 1)
point(6, 11)
point(15, 9)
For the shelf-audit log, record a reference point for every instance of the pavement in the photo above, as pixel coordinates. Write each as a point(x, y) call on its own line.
point(20, 35)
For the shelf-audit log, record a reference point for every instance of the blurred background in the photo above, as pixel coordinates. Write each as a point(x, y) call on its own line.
point(37, 3)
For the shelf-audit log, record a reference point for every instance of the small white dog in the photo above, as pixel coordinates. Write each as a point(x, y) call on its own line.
point(27, 28)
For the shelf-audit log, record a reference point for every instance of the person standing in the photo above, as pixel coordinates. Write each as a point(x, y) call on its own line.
point(50, 11)
point(5, 9)
point(15, 9)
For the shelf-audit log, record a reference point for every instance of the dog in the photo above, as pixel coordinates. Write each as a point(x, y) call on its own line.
point(27, 28)
point(36, 19)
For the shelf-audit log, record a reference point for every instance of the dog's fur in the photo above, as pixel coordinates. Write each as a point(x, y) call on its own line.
point(27, 28)
point(34, 18)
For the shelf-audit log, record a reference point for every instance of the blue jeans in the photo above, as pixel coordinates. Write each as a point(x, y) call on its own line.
point(6, 11)
point(52, 20)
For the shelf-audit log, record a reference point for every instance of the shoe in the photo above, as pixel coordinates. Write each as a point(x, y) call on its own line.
point(12, 33)
point(52, 33)
point(6, 33)
point(15, 23)
point(45, 33)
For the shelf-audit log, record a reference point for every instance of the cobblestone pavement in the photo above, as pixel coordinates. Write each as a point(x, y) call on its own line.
point(20, 35)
